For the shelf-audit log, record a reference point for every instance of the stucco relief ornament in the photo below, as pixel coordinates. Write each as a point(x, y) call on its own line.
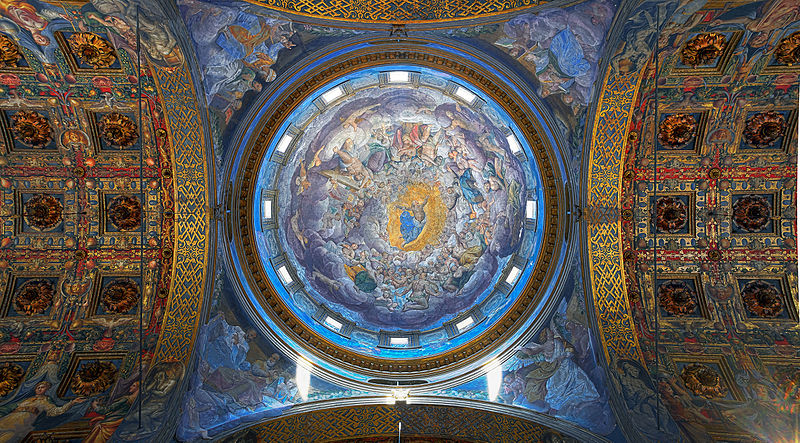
point(43, 212)
point(125, 212)
point(94, 378)
point(10, 377)
point(677, 130)
point(74, 139)
point(703, 381)
point(751, 213)
point(671, 214)
point(702, 49)
point(9, 52)
point(120, 295)
point(677, 298)
point(31, 129)
point(762, 298)
point(118, 130)
point(34, 297)
point(92, 49)
point(762, 129)
point(788, 50)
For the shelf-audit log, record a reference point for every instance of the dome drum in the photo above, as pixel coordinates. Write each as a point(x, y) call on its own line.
point(437, 233)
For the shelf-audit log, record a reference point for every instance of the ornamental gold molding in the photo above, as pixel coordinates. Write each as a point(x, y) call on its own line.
point(604, 234)
point(192, 225)
point(418, 420)
point(394, 11)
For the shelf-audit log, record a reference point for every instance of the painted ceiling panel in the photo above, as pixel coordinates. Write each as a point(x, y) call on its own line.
point(706, 220)
point(85, 232)
point(677, 320)
point(93, 197)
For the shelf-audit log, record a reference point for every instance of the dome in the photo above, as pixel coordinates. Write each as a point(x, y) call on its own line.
point(397, 215)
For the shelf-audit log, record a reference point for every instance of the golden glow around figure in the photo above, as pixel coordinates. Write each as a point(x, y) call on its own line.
point(420, 197)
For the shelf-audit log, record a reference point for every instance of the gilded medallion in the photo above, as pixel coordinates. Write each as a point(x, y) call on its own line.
point(118, 130)
point(92, 49)
point(125, 212)
point(762, 299)
point(93, 378)
point(11, 375)
point(702, 49)
point(751, 213)
point(677, 298)
point(120, 296)
point(34, 297)
point(788, 50)
point(31, 129)
point(764, 128)
point(43, 212)
point(677, 130)
point(10, 54)
point(703, 381)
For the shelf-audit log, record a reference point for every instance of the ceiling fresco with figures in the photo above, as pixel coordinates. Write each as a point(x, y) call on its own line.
point(258, 220)
point(380, 176)
point(402, 204)
point(724, 225)
point(88, 221)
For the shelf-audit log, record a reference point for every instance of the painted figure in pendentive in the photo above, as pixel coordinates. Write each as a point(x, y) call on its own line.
point(18, 417)
point(111, 415)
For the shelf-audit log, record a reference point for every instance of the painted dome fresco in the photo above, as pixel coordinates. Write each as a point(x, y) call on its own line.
point(401, 200)
point(398, 212)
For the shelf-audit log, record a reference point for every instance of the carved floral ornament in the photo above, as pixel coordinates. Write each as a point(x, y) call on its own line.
point(118, 130)
point(762, 298)
point(703, 381)
point(94, 378)
point(677, 130)
point(31, 129)
point(677, 298)
point(702, 49)
point(751, 213)
point(43, 212)
point(92, 49)
point(788, 50)
point(762, 129)
point(9, 52)
point(34, 297)
point(125, 212)
point(120, 295)
point(671, 214)
point(10, 377)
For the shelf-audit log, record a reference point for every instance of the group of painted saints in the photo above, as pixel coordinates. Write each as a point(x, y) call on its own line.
point(426, 260)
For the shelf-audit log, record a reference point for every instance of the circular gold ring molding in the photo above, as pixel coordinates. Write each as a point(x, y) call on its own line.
point(245, 191)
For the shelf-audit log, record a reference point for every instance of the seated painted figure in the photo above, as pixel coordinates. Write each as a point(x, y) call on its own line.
point(412, 220)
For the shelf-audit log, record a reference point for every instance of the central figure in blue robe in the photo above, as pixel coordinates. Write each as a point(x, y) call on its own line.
point(412, 220)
